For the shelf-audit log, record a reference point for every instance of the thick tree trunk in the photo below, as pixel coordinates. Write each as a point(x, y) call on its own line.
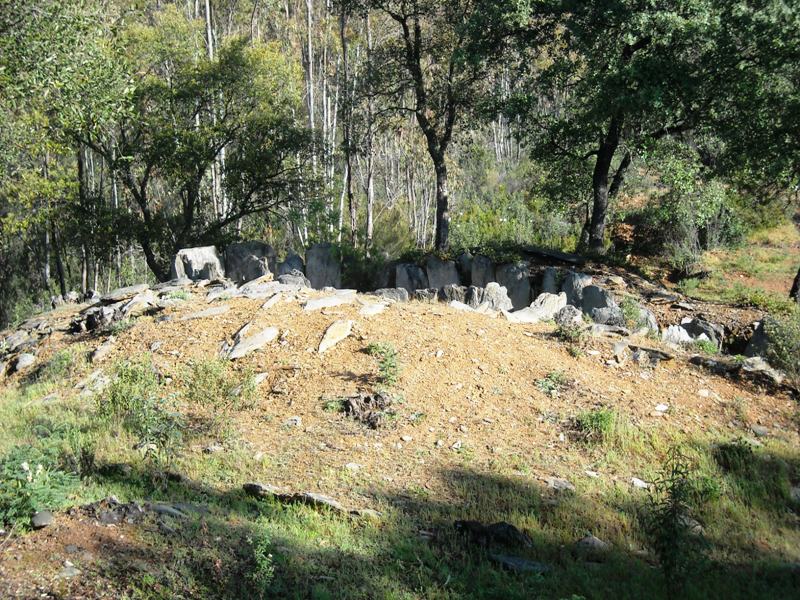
point(794, 294)
point(442, 207)
point(600, 188)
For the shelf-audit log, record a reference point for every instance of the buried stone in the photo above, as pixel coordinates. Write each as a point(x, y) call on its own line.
point(369, 409)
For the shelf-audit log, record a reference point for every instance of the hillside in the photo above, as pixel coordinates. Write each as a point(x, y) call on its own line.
point(487, 420)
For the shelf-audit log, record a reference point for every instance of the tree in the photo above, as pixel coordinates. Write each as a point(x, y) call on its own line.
point(618, 75)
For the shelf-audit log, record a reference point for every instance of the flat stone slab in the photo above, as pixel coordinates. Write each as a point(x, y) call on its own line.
point(370, 310)
point(214, 311)
point(260, 490)
point(328, 302)
point(124, 293)
point(337, 331)
point(246, 345)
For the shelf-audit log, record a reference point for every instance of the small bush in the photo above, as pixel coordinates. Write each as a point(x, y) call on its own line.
point(596, 425)
point(30, 481)
point(179, 295)
point(783, 350)
point(64, 364)
point(736, 456)
point(573, 334)
point(388, 367)
point(263, 572)
point(705, 347)
point(120, 326)
point(552, 383)
point(213, 384)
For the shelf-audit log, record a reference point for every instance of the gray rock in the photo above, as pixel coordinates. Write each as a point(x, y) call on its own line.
point(755, 365)
point(518, 564)
point(16, 340)
point(452, 292)
point(293, 262)
point(214, 311)
point(482, 271)
point(591, 545)
point(496, 296)
point(370, 310)
point(124, 293)
point(676, 335)
point(72, 297)
point(426, 295)
point(697, 328)
point(569, 316)
point(602, 330)
point(560, 485)
point(550, 281)
point(464, 266)
point(441, 273)
point(326, 302)
point(91, 296)
point(42, 519)
point(56, 301)
point(24, 361)
point(197, 263)
point(246, 345)
point(473, 297)
point(759, 341)
point(103, 350)
point(543, 308)
point(600, 305)
point(395, 294)
point(246, 261)
point(573, 286)
point(648, 319)
point(295, 278)
point(322, 266)
point(411, 277)
point(514, 277)
point(68, 572)
point(337, 331)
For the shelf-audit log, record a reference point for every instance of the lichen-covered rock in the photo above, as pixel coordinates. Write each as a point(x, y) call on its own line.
point(600, 305)
point(197, 263)
point(246, 261)
point(514, 277)
point(573, 286)
point(395, 294)
point(543, 308)
point(293, 262)
point(426, 295)
point(295, 278)
point(453, 292)
point(701, 329)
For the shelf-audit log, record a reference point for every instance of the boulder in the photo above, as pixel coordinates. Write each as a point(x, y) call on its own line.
point(246, 345)
point(514, 277)
point(24, 361)
point(245, 261)
point(441, 272)
point(543, 308)
point(124, 293)
point(322, 267)
point(568, 316)
point(197, 263)
point(294, 278)
point(464, 266)
point(676, 335)
point(600, 305)
point(426, 295)
point(411, 277)
point(482, 271)
point(293, 262)
point(550, 281)
point(452, 292)
point(496, 296)
point(396, 294)
point(700, 329)
point(337, 331)
point(573, 286)
point(759, 342)
point(72, 297)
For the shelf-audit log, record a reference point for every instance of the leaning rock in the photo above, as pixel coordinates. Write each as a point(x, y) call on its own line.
point(295, 278)
point(125, 293)
point(338, 331)
point(453, 292)
point(514, 277)
point(197, 263)
point(327, 302)
point(411, 277)
point(426, 295)
point(441, 273)
point(676, 335)
point(293, 262)
point(496, 296)
point(246, 345)
point(395, 294)
point(322, 266)
point(600, 305)
point(549, 278)
point(573, 286)
point(482, 271)
point(700, 329)
point(315, 500)
point(245, 261)
point(759, 342)
point(543, 308)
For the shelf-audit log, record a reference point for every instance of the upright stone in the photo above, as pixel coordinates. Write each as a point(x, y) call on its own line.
point(322, 267)
point(452, 292)
point(293, 262)
point(411, 277)
point(514, 277)
point(573, 287)
point(441, 272)
point(482, 271)
point(197, 263)
point(549, 285)
point(496, 296)
point(600, 305)
point(464, 266)
point(245, 261)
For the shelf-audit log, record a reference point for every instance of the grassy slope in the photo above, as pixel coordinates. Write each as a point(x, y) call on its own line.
point(245, 548)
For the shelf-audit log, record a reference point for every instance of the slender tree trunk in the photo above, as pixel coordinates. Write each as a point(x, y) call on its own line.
point(62, 282)
point(442, 209)
point(600, 189)
point(794, 294)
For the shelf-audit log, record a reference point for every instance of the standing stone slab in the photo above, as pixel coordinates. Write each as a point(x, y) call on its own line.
point(322, 267)
point(573, 287)
point(411, 277)
point(441, 272)
point(549, 281)
point(514, 277)
point(496, 296)
point(338, 331)
point(245, 261)
point(293, 262)
point(464, 266)
point(452, 292)
point(697, 328)
point(395, 294)
point(197, 263)
point(482, 271)
point(600, 305)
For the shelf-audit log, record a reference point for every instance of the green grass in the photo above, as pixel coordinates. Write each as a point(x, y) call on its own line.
point(552, 384)
point(388, 365)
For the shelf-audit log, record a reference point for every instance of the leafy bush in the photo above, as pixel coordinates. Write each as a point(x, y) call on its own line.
point(263, 572)
point(212, 383)
point(735, 456)
point(388, 367)
point(705, 347)
point(64, 364)
point(574, 334)
point(360, 271)
point(30, 481)
point(783, 350)
point(552, 383)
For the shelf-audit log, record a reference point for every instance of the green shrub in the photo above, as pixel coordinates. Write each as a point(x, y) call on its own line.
point(596, 425)
point(552, 383)
point(388, 367)
point(31, 480)
point(783, 350)
point(573, 334)
point(705, 347)
point(64, 364)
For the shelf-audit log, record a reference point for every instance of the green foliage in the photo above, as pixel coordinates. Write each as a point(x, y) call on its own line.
point(596, 426)
point(574, 334)
point(552, 384)
point(359, 271)
point(706, 347)
point(783, 350)
point(263, 573)
point(31, 480)
point(64, 364)
point(735, 456)
point(388, 366)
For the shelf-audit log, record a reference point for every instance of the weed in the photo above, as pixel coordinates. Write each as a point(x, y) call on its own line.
point(120, 326)
point(783, 348)
point(573, 334)
point(263, 572)
point(388, 367)
point(64, 364)
point(735, 456)
point(706, 347)
point(597, 426)
point(552, 383)
point(334, 405)
point(179, 295)
point(213, 385)
point(632, 313)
